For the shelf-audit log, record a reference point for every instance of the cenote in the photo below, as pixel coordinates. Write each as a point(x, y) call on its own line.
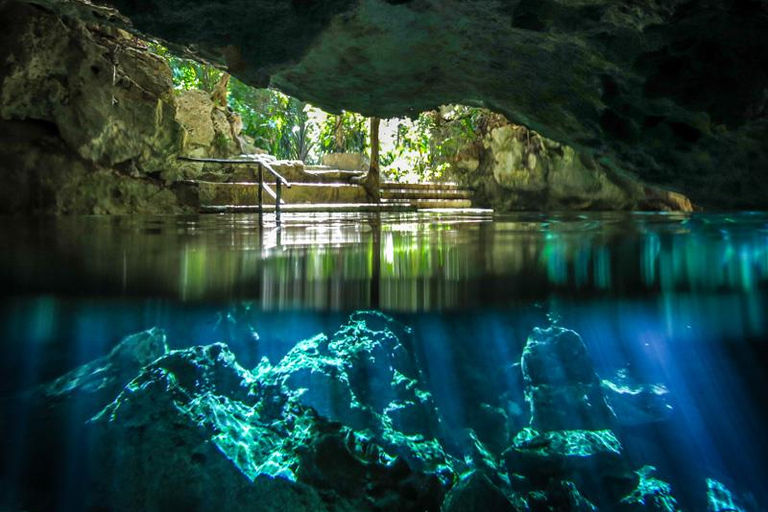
point(375, 256)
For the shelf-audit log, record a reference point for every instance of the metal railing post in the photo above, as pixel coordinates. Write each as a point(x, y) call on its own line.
point(261, 189)
point(277, 199)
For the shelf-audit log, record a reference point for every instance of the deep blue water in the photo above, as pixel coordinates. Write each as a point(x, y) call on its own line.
point(674, 300)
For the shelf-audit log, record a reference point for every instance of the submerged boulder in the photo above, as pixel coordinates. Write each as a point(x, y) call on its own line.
point(195, 429)
point(721, 499)
point(561, 386)
point(585, 457)
point(634, 403)
point(366, 376)
point(558, 495)
point(102, 379)
point(571, 442)
point(475, 491)
point(650, 493)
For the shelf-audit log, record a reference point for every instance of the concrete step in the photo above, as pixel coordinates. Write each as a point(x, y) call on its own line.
point(420, 186)
point(324, 197)
point(247, 194)
point(299, 208)
point(334, 174)
point(425, 194)
point(431, 203)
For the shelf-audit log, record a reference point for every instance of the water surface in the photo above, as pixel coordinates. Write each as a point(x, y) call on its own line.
point(397, 262)
point(673, 300)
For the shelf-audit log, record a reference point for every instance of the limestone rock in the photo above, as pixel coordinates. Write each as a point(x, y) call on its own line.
point(193, 112)
point(634, 403)
point(365, 376)
point(91, 123)
point(107, 375)
point(650, 494)
point(110, 100)
point(559, 495)
point(42, 175)
point(86, 117)
point(565, 454)
point(623, 81)
point(721, 499)
point(562, 388)
point(347, 161)
point(196, 429)
point(513, 168)
point(476, 492)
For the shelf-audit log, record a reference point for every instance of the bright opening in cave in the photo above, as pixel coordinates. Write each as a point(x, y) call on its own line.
point(383, 255)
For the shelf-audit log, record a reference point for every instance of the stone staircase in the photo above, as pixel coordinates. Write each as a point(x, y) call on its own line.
point(326, 189)
point(426, 195)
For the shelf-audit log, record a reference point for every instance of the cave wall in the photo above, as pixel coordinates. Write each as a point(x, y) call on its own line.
point(675, 91)
point(87, 118)
point(90, 122)
point(512, 168)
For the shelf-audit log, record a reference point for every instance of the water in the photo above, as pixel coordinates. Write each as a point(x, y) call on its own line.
point(667, 300)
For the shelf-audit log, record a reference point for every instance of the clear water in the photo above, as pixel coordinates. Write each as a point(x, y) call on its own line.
point(668, 299)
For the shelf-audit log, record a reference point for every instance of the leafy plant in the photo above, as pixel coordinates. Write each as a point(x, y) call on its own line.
point(423, 148)
point(344, 133)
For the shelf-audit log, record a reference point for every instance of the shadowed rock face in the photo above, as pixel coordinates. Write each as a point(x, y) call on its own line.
point(674, 90)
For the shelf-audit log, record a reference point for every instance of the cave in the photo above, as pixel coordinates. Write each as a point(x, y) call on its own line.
point(383, 255)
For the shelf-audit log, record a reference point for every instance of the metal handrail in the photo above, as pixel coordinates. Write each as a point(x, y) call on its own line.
point(262, 163)
point(258, 160)
point(276, 174)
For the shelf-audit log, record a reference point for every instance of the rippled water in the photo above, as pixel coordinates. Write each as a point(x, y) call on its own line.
point(673, 300)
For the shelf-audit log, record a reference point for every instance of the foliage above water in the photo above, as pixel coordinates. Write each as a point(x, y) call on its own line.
point(411, 150)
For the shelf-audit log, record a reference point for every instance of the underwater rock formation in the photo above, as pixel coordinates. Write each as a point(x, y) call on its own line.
point(562, 388)
point(674, 91)
point(366, 376)
point(590, 460)
point(475, 491)
point(565, 454)
point(195, 428)
point(634, 403)
point(104, 377)
point(56, 414)
point(342, 422)
point(571, 439)
point(650, 494)
point(721, 499)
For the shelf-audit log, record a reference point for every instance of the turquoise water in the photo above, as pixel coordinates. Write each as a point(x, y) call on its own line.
point(671, 309)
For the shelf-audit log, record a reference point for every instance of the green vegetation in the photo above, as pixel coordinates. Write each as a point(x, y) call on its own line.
point(344, 133)
point(411, 150)
point(424, 148)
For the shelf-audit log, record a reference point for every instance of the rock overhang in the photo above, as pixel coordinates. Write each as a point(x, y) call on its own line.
point(675, 91)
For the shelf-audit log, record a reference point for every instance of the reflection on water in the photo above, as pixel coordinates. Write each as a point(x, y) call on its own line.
point(403, 262)
point(670, 303)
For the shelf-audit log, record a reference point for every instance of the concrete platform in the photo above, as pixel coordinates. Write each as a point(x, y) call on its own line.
point(303, 208)
point(247, 194)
